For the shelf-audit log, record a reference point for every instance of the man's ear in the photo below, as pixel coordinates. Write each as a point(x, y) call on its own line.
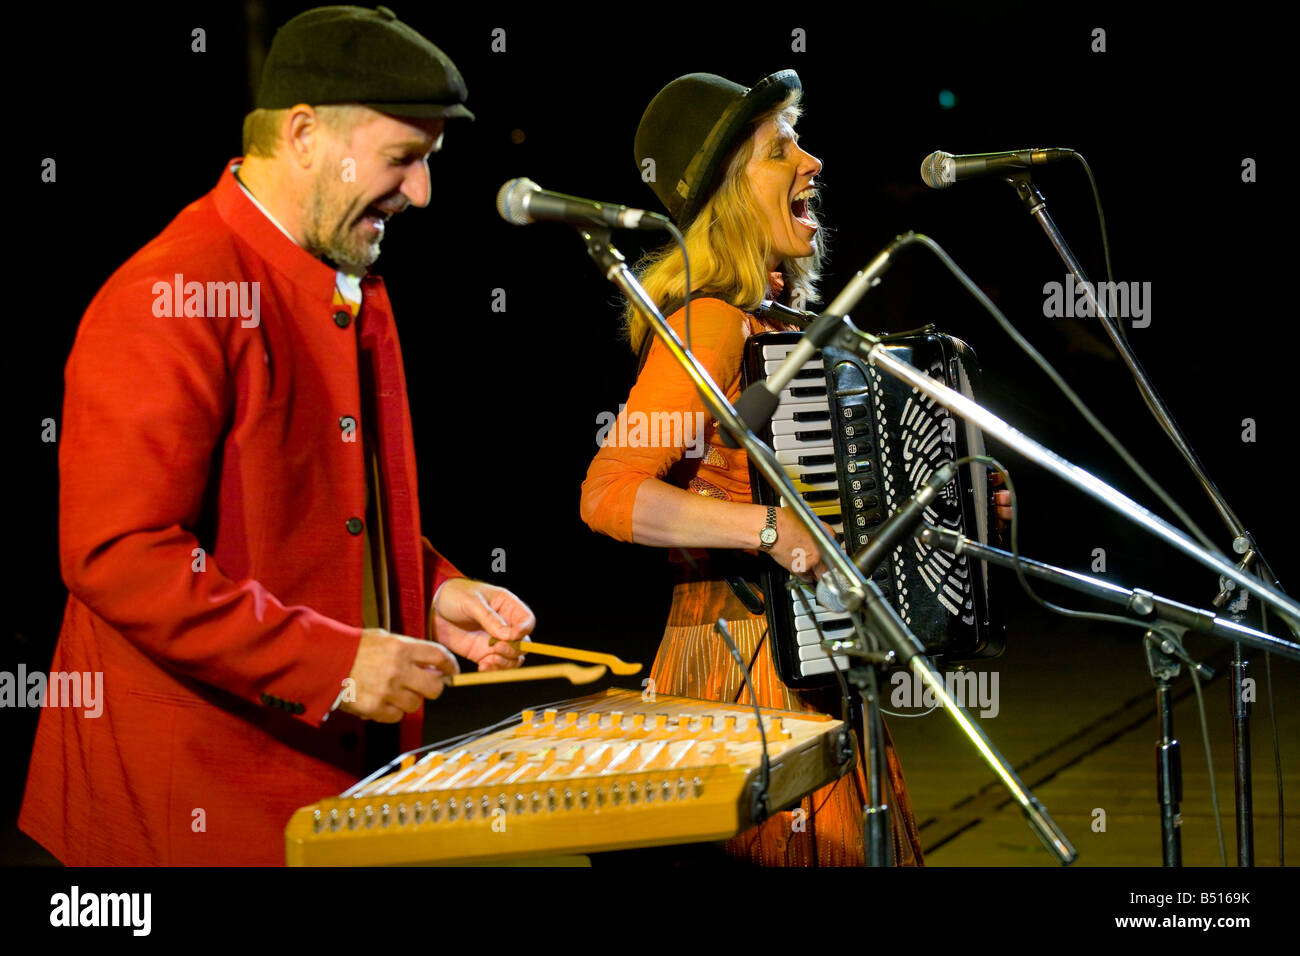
point(303, 133)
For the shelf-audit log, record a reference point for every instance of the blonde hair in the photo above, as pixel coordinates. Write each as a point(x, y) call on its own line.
point(728, 244)
point(262, 127)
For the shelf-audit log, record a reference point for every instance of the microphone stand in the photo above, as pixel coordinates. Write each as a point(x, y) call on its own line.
point(857, 594)
point(1163, 649)
point(871, 347)
point(1243, 543)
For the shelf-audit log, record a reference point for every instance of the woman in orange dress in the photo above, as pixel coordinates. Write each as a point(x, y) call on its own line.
point(729, 168)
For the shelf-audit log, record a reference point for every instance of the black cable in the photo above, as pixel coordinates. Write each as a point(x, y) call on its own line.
point(796, 590)
point(1020, 573)
point(754, 657)
point(1069, 393)
point(1101, 220)
point(686, 266)
point(1113, 618)
point(760, 807)
point(1209, 763)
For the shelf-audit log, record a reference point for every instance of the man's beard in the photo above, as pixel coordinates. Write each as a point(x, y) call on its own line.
point(330, 232)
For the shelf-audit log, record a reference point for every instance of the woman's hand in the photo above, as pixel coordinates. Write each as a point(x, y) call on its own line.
point(1001, 499)
point(795, 549)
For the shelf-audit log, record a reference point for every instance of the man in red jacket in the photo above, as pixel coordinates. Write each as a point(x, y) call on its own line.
point(239, 521)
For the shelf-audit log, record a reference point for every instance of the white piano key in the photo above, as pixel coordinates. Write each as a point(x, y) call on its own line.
point(822, 666)
point(770, 365)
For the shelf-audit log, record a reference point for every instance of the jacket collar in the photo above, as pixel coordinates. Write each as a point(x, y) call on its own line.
point(251, 224)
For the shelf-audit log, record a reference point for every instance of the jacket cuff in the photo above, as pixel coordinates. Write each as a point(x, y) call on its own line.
point(437, 572)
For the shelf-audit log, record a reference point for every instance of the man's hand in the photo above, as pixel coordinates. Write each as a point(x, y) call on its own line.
point(468, 616)
point(392, 673)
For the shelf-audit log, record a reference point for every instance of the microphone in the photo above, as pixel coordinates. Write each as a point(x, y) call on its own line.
point(940, 170)
point(891, 534)
point(521, 201)
point(757, 403)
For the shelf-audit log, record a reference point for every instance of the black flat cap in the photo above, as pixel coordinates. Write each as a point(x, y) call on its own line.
point(343, 54)
point(692, 124)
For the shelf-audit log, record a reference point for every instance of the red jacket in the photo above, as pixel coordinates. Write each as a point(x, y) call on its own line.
point(224, 433)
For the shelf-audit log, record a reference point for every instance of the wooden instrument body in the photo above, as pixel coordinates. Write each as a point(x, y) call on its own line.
point(606, 772)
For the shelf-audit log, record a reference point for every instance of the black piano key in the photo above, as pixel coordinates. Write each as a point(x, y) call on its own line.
point(808, 391)
point(817, 460)
point(827, 494)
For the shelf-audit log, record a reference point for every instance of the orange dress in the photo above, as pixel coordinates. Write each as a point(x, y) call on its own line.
point(692, 660)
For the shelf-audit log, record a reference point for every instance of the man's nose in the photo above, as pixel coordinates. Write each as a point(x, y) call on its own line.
point(418, 186)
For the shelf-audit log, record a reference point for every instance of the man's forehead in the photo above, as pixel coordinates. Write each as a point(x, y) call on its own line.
point(405, 131)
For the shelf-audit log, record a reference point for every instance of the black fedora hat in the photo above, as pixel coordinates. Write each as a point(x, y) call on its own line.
point(345, 54)
point(691, 125)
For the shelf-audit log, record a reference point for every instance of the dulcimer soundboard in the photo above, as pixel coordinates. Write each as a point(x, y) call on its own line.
point(606, 772)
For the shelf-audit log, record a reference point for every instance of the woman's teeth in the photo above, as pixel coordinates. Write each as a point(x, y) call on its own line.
point(799, 208)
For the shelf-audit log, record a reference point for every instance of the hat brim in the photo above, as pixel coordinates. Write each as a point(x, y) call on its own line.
point(423, 110)
point(705, 167)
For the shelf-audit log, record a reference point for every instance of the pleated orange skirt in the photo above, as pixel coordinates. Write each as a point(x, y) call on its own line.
point(693, 661)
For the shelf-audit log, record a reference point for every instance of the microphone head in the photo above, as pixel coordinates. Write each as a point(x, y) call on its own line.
point(511, 202)
point(937, 170)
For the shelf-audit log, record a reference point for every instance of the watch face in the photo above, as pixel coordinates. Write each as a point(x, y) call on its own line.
point(767, 536)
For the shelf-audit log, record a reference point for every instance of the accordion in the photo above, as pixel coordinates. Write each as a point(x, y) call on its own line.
point(856, 445)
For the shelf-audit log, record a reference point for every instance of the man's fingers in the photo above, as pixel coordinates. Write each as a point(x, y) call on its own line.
point(424, 681)
point(433, 654)
point(492, 622)
point(408, 701)
point(525, 624)
point(497, 662)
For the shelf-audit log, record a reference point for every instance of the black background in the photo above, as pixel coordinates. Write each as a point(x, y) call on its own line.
point(505, 404)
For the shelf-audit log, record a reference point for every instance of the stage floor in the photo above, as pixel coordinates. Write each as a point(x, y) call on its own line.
point(1077, 720)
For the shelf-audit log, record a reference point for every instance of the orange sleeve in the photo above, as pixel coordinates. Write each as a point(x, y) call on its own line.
point(662, 403)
